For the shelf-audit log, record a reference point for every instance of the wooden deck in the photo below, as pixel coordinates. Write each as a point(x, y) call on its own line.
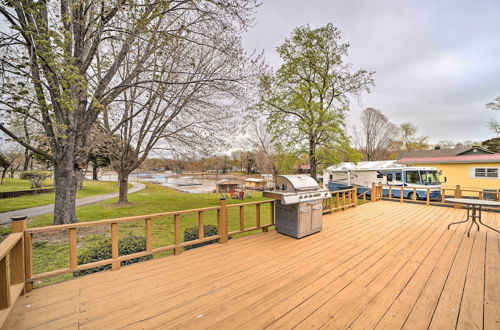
point(380, 265)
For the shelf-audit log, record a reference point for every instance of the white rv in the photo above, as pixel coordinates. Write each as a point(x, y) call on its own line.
point(363, 174)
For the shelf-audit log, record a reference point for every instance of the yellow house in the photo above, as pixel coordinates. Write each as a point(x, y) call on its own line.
point(471, 168)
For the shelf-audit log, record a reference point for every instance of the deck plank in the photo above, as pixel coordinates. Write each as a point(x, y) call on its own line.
point(383, 264)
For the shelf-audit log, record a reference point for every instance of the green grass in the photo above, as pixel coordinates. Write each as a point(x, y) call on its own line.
point(50, 252)
point(17, 184)
point(90, 188)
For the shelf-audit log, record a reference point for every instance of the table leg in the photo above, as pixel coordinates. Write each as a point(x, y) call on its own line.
point(481, 222)
point(473, 221)
point(458, 222)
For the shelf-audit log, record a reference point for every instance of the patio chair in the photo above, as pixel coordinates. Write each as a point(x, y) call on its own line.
point(241, 195)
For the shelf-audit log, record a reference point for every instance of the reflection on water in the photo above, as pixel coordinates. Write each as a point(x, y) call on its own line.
point(194, 185)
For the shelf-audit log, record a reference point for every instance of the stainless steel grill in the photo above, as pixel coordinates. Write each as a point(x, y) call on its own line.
point(300, 210)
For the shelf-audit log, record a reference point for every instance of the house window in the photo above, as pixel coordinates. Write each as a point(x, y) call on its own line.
point(492, 172)
point(389, 177)
point(486, 172)
point(480, 173)
point(398, 176)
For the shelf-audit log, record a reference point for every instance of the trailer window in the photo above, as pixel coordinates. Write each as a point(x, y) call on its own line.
point(412, 177)
point(389, 177)
point(429, 177)
point(398, 176)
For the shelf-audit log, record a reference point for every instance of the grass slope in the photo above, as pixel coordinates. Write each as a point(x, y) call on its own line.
point(90, 188)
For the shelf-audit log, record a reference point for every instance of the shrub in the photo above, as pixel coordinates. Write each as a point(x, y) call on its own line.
point(191, 234)
point(36, 178)
point(100, 249)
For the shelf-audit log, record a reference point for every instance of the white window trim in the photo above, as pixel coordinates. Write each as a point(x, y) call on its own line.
point(472, 173)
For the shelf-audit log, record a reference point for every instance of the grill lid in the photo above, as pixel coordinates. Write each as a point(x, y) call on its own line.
point(293, 183)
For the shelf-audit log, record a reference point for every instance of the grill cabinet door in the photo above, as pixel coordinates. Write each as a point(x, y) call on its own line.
point(317, 216)
point(304, 225)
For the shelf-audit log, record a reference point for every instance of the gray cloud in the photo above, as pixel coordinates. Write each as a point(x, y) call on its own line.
point(437, 62)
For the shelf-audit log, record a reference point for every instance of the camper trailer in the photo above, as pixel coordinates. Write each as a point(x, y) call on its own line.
point(364, 174)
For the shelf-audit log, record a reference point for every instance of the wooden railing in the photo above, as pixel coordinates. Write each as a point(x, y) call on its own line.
point(12, 270)
point(456, 192)
point(258, 225)
point(341, 200)
point(176, 247)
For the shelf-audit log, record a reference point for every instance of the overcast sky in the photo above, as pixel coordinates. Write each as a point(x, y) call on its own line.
point(437, 62)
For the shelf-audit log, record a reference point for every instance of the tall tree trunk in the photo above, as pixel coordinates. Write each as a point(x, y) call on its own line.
point(313, 164)
point(27, 159)
point(123, 182)
point(66, 183)
point(3, 174)
point(95, 169)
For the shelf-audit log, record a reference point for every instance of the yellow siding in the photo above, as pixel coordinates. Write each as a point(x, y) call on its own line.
point(459, 174)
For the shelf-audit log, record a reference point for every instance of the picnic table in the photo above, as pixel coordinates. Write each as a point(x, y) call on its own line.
point(474, 208)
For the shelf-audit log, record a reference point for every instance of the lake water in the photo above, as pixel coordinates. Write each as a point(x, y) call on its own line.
point(194, 185)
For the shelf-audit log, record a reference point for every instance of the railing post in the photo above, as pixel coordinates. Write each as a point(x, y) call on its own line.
point(149, 234)
point(271, 205)
point(257, 215)
point(222, 221)
point(428, 199)
point(355, 191)
point(5, 300)
point(115, 265)
point(402, 195)
point(28, 261)
point(177, 233)
point(201, 224)
point(19, 225)
point(458, 194)
point(374, 193)
point(73, 259)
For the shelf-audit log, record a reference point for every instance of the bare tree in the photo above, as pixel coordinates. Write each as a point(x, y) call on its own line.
point(64, 57)
point(260, 142)
point(493, 124)
point(446, 144)
point(376, 136)
point(205, 83)
point(410, 139)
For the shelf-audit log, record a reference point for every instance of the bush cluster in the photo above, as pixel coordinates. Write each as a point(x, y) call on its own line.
point(101, 250)
point(36, 178)
point(191, 234)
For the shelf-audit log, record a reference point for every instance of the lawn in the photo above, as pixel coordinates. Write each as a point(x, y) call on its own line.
point(10, 184)
point(50, 251)
point(90, 188)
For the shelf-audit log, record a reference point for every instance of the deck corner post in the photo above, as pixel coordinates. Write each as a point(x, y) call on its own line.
point(222, 222)
point(458, 194)
point(19, 225)
point(355, 195)
point(374, 193)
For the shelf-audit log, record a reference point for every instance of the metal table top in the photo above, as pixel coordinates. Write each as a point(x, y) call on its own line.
point(472, 201)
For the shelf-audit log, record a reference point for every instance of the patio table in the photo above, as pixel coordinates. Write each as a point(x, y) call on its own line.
point(474, 208)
